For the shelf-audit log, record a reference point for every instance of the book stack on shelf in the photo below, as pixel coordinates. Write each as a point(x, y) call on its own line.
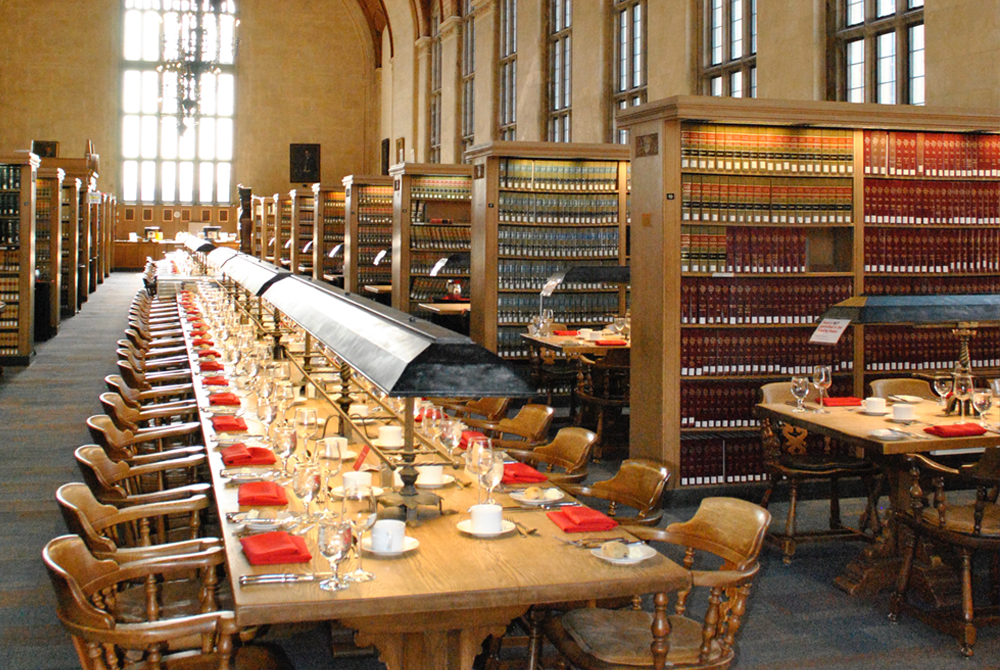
point(48, 251)
point(270, 228)
point(432, 232)
point(367, 232)
point(541, 208)
point(303, 220)
point(17, 257)
point(328, 238)
point(257, 239)
point(283, 232)
point(69, 252)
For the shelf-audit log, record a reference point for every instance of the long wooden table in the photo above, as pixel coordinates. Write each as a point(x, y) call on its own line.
point(572, 345)
point(432, 608)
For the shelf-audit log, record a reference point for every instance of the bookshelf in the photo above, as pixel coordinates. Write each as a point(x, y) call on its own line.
point(17, 257)
point(328, 235)
point(48, 250)
point(76, 241)
point(432, 219)
point(271, 227)
point(367, 231)
point(283, 231)
point(539, 207)
point(257, 239)
point(303, 220)
point(70, 245)
point(754, 216)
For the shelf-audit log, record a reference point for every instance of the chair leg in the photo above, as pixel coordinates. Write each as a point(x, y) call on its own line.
point(771, 483)
point(835, 523)
point(535, 618)
point(870, 519)
point(903, 582)
point(968, 627)
point(788, 545)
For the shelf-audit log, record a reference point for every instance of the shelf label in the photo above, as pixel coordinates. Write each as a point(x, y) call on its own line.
point(94, 198)
point(829, 331)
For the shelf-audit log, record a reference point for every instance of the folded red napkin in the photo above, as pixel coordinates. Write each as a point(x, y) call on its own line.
point(849, 401)
point(581, 520)
point(519, 473)
point(274, 548)
point(262, 494)
point(209, 352)
point(195, 317)
point(956, 430)
point(224, 399)
point(611, 343)
point(211, 366)
point(198, 325)
point(215, 381)
point(566, 333)
point(241, 454)
point(201, 341)
point(199, 332)
point(228, 424)
point(467, 437)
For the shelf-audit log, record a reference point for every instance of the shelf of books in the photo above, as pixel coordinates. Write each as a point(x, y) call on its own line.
point(283, 232)
point(48, 245)
point(753, 218)
point(432, 232)
point(328, 236)
point(367, 232)
point(69, 245)
point(17, 257)
point(303, 219)
point(78, 214)
point(270, 227)
point(257, 239)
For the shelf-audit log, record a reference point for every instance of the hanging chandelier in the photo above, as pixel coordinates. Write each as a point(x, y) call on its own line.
point(199, 37)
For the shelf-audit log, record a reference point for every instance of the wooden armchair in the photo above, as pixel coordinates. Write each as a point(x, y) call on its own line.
point(530, 427)
point(965, 528)
point(789, 459)
point(153, 359)
point(605, 639)
point(180, 394)
point(145, 382)
point(490, 409)
point(551, 373)
point(173, 364)
point(638, 484)
point(883, 388)
point(128, 418)
point(147, 352)
point(143, 481)
point(125, 445)
point(150, 343)
point(603, 392)
point(570, 451)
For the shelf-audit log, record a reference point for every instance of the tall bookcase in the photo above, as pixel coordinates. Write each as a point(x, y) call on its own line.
point(257, 240)
point(328, 234)
point(537, 208)
point(17, 257)
point(283, 231)
point(750, 219)
point(303, 220)
point(367, 231)
point(432, 219)
point(48, 250)
point(270, 227)
point(69, 245)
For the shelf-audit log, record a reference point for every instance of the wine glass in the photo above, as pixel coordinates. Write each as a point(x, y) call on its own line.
point(285, 395)
point(358, 506)
point(493, 478)
point(942, 386)
point(306, 424)
point(479, 461)
point(284, 445)
point(305, 483)
point(800, 389)
point(963, 391)
point(618, 325)
point(982, 401)
point(334, 542)
point(451, 434)
point(329, 451)
point(822, 380)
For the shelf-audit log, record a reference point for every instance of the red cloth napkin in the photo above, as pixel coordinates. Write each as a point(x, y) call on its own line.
point(241, 454)
point(209, 352)
point(957, 430)
point(566, 333)
point(519, 473)
point(228, 424)
point(467, 437)
point(201, 341)
point(194, 317)
point(199, 333)
point(224, 399)
point(215, 381)
point(198, 325)
point(849, 401)
point(262, 494)
point(581, 520)
point(211, 366)
point(274, 548)
point(611, 343)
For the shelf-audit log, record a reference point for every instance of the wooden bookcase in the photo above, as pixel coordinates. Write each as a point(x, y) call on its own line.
point(283, 231)
point(727, 303)
point(48, 250)
point(328, 234)
point(270, 227)
point(303, 220)
point(432, 219)
point(367, 232)
point(69, 245)
point(257, 239)
point(540, 207)
point(17, 257)
point(76, 257)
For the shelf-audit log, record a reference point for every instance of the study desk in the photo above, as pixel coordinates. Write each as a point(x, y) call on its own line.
point(572, 345)
point(446, 308)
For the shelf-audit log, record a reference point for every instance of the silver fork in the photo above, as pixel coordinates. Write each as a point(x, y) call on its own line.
point(521, 528)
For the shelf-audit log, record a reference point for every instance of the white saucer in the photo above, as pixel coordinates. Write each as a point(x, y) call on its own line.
point(904, 422)
point(409, 544)
point(344, 455)
point(519, 497)
point(647, 552)
point(465, 526)
point(387, 447)
point(262, 524)
point(446, 480)
point(338, 491)
point(910, 399)
point(867, 413)
point(889, 435)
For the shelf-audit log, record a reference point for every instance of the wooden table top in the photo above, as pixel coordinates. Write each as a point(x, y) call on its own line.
point(378, 289)
point(851, 425)
point(446, 307)
point(569, 344)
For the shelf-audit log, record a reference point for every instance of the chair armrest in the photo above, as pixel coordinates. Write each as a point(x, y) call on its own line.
point(179, 565)
point(161, 432)
point(166, 411)
point(186, 463)
point(171, 454)
point(165, 390)
point(221, 625)
point(138, 512)
point(723, 578)
point(481, 424)
point(177, 493)
point(508, 445)
point(131, 554)
point(168, 376)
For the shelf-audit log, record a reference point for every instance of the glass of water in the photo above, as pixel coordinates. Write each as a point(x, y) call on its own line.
point(800, 389)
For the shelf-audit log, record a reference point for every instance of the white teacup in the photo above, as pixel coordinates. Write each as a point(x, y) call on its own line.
point(585, 333)
point(357, 479)
point(596, 335)
point(332, 448)
point(388, 535)
point(390, 436)
point(430, 475)
point(874, 405)
point(486, 519)
point(358, 409)
point(902, 412)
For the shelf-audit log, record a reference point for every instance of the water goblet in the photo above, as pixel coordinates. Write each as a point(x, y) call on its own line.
point(800, 389)
point(451, 434)
point(963, 391)
point(284, 445)
point(822, 380)
point(361, 510)
point(982, 401)
point(942, 386)
point(619, 325)
point(305, 483)
point(306, 424)
point(479, 461)
point(285, 395)
point(493, 478)
point(334, 542)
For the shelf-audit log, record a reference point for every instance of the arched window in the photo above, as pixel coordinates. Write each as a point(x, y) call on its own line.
point(178, 101)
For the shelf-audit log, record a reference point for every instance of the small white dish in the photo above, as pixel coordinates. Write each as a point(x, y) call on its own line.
point(647, 552)
point(908, 398)
point(409, 544)
point(388, 447)
point(887, 435)
point(867, 413)
point(338, 491)
point(446, 480)
point(344, 455)
point(902, 422)
point(264, 524)
point(519, 497)
point(465, 526)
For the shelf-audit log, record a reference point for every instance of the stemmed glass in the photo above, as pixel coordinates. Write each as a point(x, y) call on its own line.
point(800, 389)
point(942, 386)
point(618, 324)
point(982, 401)
point(358, 506)
point(328, 450)
point(334, 542)
point(306, 425)
point(822, 380)
point(285, 396)
point(305, 483)
point(963, 391)
point(451, 434)
point(493, 478)
point(479, 461)
point(284, 445)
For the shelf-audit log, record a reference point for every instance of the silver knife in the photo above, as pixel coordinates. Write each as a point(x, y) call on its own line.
point(282, 578)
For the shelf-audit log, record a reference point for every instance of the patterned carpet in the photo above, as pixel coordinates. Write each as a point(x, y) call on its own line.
point(797, 618)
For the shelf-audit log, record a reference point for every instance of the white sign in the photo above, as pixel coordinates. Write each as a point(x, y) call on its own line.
point(94, 198)
point(829, 331)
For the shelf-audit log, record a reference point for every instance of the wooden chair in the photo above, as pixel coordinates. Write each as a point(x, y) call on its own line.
point(150, 343)
point(788, 458)
point(146, 481)
point(177, 380)
point(550, 373)
point(490, 409)
point(964, 528)
point(530, 427)
point(125, 445)
point(570, 451)
point(128, 418)
point(145, 366)
point(138, 400)
point(603, 392)
point(157, 356)
point(605, 639)
point(109, 635)
point(883, 388)
point(639, 484)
